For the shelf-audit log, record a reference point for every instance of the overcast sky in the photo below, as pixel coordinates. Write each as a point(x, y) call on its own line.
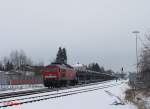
point(91, 30)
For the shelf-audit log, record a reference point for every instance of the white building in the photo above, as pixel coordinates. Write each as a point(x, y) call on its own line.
point(79, 66)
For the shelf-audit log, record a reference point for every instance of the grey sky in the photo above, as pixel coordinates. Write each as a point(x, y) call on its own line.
point(91, 30)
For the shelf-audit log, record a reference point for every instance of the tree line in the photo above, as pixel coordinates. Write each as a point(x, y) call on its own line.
point(61, 58)
point(96, 67)
point(15, 61)
point(18, 59)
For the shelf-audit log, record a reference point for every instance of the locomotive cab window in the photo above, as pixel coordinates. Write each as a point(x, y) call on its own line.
point(52, 70)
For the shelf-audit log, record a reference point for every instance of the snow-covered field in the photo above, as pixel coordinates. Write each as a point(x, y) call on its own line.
point(99, 99)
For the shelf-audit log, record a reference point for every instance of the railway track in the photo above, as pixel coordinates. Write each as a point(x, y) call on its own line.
point(22, 93)
point(52, 96)
point(43, 90)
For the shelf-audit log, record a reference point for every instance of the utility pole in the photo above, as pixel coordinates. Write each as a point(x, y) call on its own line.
point(136, 34)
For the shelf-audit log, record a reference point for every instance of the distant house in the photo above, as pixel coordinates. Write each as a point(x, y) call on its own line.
point(80, 67)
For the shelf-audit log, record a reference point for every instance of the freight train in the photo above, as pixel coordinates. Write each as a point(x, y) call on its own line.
point(57, 75)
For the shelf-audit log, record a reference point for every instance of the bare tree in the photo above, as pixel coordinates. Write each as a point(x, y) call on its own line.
point(5, 61)
point(144, 63)
point(19, 58)
point(14, 58)
point(1, 65)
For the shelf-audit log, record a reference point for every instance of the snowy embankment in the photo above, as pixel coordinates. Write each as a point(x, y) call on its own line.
point(107, 98)
point(141, 98)
point(142, 101)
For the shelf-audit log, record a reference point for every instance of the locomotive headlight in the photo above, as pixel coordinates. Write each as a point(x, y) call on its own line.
point(50, 76)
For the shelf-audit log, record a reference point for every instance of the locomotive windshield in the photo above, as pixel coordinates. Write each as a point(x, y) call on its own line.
point(52, 70)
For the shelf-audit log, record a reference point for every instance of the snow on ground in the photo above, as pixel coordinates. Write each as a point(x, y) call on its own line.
point(99, 99)
point(53, 92)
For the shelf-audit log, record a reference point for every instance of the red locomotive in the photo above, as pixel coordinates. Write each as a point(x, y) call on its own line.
point(56, 75)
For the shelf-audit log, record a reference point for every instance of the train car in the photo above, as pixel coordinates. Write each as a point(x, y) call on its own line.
point(57, 75)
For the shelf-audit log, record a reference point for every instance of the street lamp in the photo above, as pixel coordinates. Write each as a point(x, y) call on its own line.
point(136, 34)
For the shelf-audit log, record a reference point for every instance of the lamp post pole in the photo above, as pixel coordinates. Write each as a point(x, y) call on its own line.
point(136, 34)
